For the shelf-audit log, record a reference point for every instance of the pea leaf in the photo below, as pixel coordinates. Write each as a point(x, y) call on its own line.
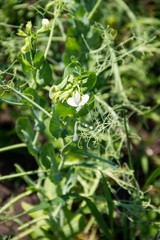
point(24, 129)
point(38, 59)
point(32, 94)
point(44, 74)
point(73, 48)
point(54, 126)
point(75, 225)
point(25, 133)
point(48, 160)
point(63, 110)
point(25, 62)
point(88, 81)
point(48, 156)
point(45, 159)
point(73, 68)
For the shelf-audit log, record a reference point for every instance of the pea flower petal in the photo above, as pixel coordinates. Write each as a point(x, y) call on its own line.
point(85, 99)
point(77, 100)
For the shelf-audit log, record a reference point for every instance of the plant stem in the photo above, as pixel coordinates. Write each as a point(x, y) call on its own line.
point(107, 107)
point(23, 234)
point(15, 175)
point(75, 136)
point(27, 225)
point(128, 142)
point(55, 39)
point(36, 138)
point(56, 13)
point(8, 25)
point(94, 9)
point(19, 145)
point(12, 103)
point(32, 102)
point(89, 224)
point(50, 38)
point(15, 200)
point(117, 78)
point(26, 178)
point(130, 14)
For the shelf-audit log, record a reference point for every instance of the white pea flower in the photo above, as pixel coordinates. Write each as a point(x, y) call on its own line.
point(77, 100)
point(45, 26)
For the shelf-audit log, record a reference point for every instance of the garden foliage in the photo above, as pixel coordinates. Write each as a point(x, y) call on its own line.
point(81, 78)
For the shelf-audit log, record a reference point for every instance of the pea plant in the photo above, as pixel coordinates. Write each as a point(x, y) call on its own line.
point(66, 86)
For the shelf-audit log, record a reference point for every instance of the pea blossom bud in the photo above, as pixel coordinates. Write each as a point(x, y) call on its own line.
point(29, 27)
point(26, 47)
point(45, 23)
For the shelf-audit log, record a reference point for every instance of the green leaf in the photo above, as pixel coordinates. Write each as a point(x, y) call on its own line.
point(25, 133)
point(27, 206)
point(48, 156)
point(48, 160)
point(88, 81)
point(75, 226)
point(38, 59)
point(63, 110)
point(41, 206)
point(93, 156)
point(47, 153)
point(152, 177)
point(44, 74)
point(74, 69)
point(54, 126)
point(73, 49)
point(63, 83)
point(32, 94)
point(98, 217)
point(108, 199)
point(24, 129)
point(25, 61)
point(62, 200)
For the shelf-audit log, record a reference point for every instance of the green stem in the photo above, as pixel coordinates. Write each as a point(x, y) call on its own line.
point(128, 142)
point(117, 78)
point(130, 14)
point(89, 225)
point(15, 175)
point(50, 38)
point(21, 6)
point(61, 163)
point(26, 225)
point(22, 195)
point(8, 25)
point(19, 145)
point(55, 39)
point(12, 103)
point(23, 234)
point(26, 178)
point(94, 9)
point(32, 102)
point(56, 13)
point(75, 136)
point(107, 107)
point(36, 138)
